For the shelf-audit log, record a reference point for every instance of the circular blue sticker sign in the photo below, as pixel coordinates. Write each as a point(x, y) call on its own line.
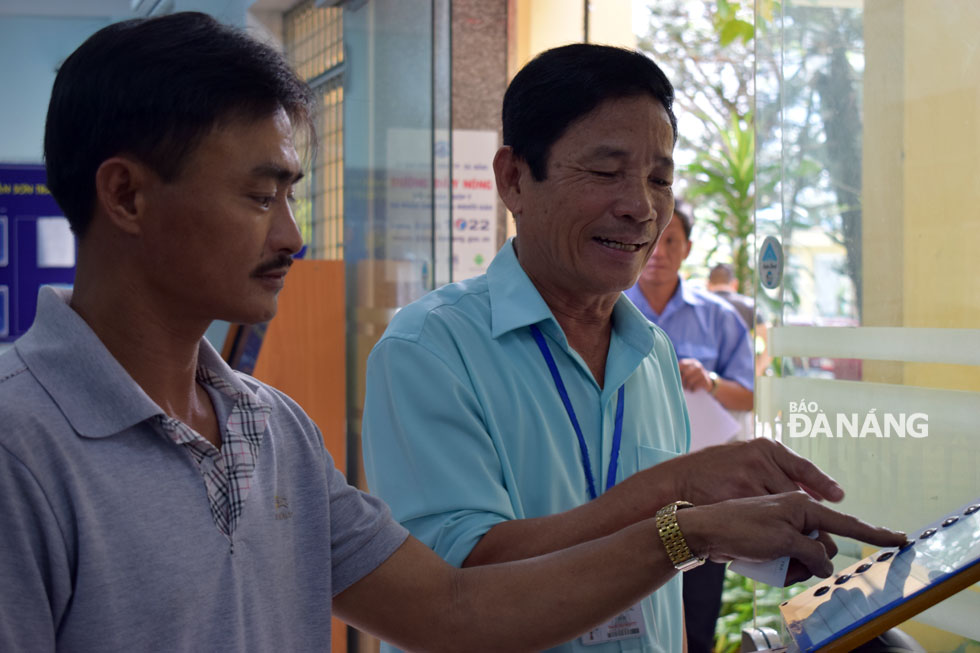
point(770, 263)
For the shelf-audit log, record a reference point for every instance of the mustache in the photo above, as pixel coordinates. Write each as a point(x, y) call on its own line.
point(281, 262)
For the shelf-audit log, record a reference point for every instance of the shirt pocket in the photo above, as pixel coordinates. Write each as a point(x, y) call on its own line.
point(647, 457)
point(641, 457)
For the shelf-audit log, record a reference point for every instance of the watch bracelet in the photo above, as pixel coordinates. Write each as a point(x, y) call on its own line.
point(673, 539)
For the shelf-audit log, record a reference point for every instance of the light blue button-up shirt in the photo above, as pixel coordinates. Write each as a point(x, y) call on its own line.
point(464, 429)
point(704, 326)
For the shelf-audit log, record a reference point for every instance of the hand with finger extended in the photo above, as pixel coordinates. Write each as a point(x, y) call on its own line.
point(745, 469)
point(758, 529)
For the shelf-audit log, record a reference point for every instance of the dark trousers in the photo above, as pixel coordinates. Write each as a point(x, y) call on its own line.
point(702, 603)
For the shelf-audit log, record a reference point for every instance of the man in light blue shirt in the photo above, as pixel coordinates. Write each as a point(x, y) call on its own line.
point(534, 409)
point(462, 367)
point(713, 346)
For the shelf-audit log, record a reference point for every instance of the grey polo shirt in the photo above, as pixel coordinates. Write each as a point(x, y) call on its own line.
point(107, 542)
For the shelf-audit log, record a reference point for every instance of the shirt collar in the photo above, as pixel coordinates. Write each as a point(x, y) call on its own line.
point(94, 392)
point(683, 294)
point(516, 303)
point(632, 325)
point(687, 293)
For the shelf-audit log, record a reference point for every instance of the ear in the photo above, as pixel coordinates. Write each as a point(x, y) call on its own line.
point(687, 248)
point(510, 172)
point(120, 187)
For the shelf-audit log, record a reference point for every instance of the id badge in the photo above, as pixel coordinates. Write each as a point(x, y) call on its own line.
point(628, 625)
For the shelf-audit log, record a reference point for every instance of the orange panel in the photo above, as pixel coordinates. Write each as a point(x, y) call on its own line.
point(302, 354)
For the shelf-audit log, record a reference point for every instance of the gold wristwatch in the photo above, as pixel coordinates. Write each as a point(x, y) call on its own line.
point(680, 555)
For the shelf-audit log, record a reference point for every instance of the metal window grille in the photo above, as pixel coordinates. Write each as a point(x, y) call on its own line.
point(315, 47)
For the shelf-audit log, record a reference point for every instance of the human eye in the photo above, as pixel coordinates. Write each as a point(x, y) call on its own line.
point(263, 196)
point(604, 174)
point(264, 201)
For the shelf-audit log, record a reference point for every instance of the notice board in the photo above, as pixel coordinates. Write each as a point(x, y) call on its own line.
point(36, 245)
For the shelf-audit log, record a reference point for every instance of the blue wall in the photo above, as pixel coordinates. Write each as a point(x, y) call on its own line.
point(31, 50)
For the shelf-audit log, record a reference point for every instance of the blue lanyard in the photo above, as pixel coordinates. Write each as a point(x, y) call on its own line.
point(617, 430)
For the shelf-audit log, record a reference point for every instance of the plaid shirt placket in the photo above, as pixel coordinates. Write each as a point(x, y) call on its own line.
point(227, 473)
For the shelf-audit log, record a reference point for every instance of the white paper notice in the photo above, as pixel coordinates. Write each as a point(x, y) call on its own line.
point(410, 188)
point(474, 202)
point(55, 243)
point(710, 423)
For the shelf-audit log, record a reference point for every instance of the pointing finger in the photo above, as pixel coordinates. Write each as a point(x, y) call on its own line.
point(825, 519)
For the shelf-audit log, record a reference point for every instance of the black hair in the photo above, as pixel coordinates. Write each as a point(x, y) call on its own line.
point(563, 84)
point(721, 273)
point(152, 88)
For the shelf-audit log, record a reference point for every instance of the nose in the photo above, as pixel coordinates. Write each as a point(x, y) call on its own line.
point(635, 201)
point(285, 235)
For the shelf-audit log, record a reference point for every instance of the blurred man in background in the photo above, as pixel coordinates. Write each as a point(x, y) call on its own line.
point(714, 355)
point(722, 282)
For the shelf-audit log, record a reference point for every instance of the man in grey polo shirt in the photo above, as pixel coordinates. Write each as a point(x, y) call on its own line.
point(153, 499)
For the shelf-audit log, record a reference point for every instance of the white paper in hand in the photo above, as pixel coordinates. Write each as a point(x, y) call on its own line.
point(772, 572)
point(710, 423)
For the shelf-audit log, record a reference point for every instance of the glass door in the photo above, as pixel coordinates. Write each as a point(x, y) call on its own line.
point(867, 235)
point(396, 172)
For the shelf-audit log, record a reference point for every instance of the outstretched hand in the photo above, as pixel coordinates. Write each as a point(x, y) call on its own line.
point(762, 528)
point(746, 469)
